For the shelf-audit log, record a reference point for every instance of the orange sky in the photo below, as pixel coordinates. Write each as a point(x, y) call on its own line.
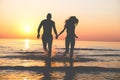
point(98, 19)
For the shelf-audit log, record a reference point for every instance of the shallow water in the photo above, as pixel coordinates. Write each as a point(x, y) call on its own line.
point(95, 61)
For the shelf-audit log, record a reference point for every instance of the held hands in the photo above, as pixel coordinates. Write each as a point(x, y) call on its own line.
point(76, 36)
point(38, 36)
point(56, 36)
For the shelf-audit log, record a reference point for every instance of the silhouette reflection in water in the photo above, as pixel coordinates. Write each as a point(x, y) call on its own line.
point(70, 72)
point(47, 71)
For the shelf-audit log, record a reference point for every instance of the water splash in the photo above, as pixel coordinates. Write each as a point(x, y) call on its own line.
point(54, 51)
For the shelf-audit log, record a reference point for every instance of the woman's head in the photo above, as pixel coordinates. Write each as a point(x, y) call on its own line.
point(72, 20)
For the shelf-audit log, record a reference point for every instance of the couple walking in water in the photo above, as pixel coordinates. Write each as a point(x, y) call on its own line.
point(47, 37)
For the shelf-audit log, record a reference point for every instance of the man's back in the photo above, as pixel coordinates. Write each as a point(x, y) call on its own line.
point(47, 26)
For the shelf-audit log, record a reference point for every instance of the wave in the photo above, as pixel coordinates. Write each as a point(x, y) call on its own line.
point(83, 69)
point(4, 47)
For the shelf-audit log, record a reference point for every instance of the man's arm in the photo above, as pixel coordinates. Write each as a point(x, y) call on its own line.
point(38, 35)
point(55, 31)
point(61, 31)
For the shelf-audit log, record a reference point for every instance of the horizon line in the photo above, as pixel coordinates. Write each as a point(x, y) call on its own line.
point(63, 39)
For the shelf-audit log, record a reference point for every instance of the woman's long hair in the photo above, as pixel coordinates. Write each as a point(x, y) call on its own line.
point(72, 21)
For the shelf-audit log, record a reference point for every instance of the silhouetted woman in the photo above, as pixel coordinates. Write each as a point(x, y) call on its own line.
point(70, 29)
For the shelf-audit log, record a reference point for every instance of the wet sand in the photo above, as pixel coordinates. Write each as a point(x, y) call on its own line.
point(68, 70)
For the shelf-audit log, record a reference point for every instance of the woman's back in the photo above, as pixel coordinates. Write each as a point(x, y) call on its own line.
point(70, 29)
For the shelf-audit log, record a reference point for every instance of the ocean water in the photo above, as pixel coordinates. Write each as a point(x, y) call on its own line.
point(23, 59)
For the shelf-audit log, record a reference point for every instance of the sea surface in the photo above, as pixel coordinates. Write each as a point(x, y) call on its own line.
point(24, 59)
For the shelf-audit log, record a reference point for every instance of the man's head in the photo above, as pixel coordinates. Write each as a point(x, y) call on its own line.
point(49, 16)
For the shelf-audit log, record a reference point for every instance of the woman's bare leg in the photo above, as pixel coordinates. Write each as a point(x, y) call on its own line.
point(67, 43)
point(72, 48)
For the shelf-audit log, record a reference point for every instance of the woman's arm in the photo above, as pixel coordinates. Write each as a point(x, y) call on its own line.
point(61, 32)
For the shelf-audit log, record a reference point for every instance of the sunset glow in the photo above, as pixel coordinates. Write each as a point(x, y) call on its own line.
point(98, 19)
point(27, 29)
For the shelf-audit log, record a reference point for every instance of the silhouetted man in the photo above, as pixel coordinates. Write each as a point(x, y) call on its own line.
point(47, 37)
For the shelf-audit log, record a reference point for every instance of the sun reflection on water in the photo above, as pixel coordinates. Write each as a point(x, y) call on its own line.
point(25, 79)
point(26, 44)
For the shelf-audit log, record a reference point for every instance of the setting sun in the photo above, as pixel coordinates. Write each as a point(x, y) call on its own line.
point(27, 29)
